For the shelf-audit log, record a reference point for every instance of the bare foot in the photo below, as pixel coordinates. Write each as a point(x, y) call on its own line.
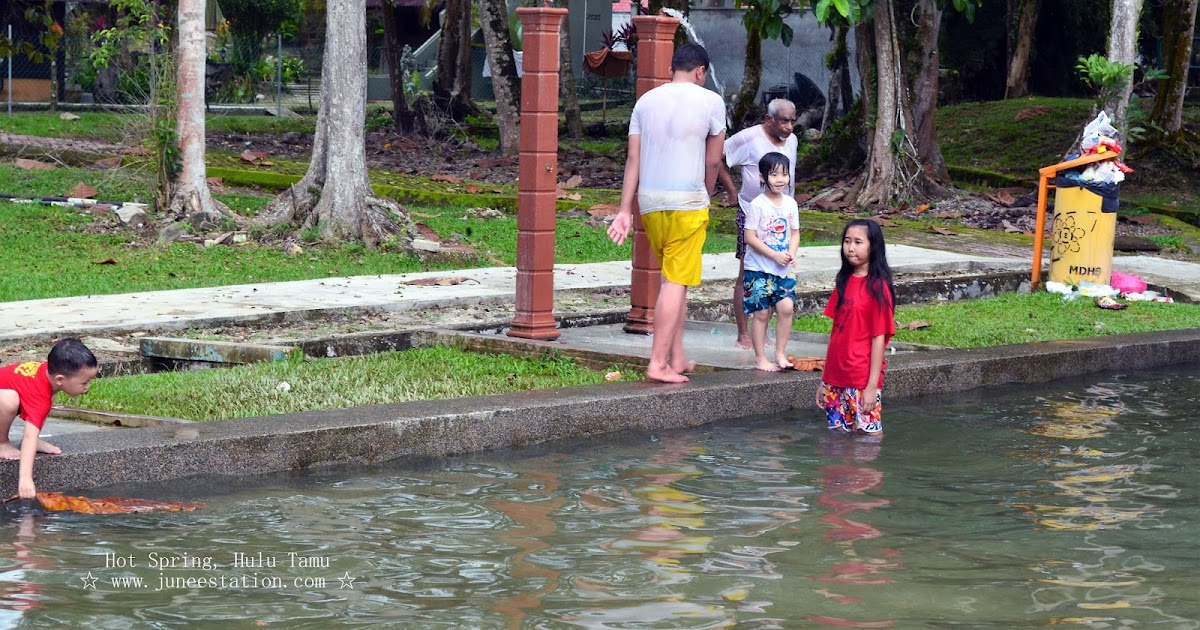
point(743, 342)
point(8, 451)
point(783, 363)
point(665, 375)
point(765, 366)
point(48, 448)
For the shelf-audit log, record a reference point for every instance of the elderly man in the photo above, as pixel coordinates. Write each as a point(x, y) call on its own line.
point(745, 149)
point(676, 135)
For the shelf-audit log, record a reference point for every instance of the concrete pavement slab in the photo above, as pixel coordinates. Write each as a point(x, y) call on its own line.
point(166, 310)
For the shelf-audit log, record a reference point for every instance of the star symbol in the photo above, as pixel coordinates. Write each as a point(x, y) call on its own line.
point(89, 581)
point(347, 581)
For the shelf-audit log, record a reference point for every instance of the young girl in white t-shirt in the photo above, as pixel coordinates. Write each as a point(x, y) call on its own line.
point(772, 237)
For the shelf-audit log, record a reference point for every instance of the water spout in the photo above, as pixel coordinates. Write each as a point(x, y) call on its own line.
point(691, 33)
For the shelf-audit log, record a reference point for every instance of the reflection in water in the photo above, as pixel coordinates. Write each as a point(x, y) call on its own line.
point(1076, 507)
point(846, 485)
point(1095, 489)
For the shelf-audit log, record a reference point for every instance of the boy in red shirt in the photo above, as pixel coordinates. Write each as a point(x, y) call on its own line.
point(27, 390)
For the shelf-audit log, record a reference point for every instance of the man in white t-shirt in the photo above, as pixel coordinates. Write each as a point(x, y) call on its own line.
point(676, 137)
point(745, 148)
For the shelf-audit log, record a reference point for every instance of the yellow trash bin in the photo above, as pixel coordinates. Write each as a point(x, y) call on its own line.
point(1083, 238)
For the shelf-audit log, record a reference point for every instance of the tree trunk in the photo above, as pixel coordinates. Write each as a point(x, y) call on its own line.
point(1122, 47)
point(449, 43)
point(924, 61)
point(838, 61)
point(493, 21)
point(460, 92)
point(190, 197)
point(1179, 25)
point(335, 195)
point(751, 78)
point(1022, 27)
point(895, 171)
point(402, 114)
point(566, 79)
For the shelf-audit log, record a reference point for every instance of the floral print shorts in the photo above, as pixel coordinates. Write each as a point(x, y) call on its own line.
point(843, 409)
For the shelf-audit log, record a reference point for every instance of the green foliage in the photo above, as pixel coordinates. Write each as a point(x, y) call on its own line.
point(1108, 78)
point(249, 22)
point(765, 19)
point(852, 11)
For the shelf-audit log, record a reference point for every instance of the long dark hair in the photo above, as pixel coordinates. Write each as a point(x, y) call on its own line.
point(879, 274)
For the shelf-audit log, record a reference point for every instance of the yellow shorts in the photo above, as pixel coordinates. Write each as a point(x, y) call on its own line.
point(677, 239)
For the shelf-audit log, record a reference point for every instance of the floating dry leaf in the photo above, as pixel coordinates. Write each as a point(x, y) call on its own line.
point(58, 502)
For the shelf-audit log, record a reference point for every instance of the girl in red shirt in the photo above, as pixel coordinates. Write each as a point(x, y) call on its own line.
point(863, 311)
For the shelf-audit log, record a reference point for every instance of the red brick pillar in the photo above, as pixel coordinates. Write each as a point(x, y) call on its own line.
point(538, 175)
point(656, 45)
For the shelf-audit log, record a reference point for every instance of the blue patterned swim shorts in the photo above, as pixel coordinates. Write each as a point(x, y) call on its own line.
point(764, 290)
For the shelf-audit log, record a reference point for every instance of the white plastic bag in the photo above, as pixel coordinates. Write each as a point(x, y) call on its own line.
point(1101, 125)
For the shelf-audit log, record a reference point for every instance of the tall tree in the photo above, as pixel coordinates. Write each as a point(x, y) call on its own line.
point(493, 21)
point(1022, 22)
point(190, 196)
point(904, 160)
point(335, 195)
point(763, 19)
point(404, 115)
point(1122, 48)
point(1179, 26)
point(566, 79)
point(452, 89)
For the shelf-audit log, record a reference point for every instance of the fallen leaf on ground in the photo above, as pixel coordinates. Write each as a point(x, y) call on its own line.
point(449, 179)
point(81, 191)
point(109, 162)
point(803, 197)
point(941, 230)
point(604, 209)
point(573, 181)
point(33, 165)
point(913, 325)
point(136, 151)
point(1142, 219)
point(253, 157)
point(575, 197)
point(445, 281)
point(471, 188)
point(106, 261)
point(215, 181)
point(612, 376)
point(68, 116)
point(921, 208)
point(882, 221)
point(559, 193)
point(807, 364)
point(422, 215)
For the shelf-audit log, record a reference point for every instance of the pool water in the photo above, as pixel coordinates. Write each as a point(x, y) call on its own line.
point(1074, 505)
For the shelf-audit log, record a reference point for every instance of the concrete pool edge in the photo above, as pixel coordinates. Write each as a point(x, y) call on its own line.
point(381, 433)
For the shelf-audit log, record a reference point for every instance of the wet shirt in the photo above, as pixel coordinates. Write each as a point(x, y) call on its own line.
point(773, 224)
point(745, 148)
point(858, 320)
point(32, 384)
point(675, 121)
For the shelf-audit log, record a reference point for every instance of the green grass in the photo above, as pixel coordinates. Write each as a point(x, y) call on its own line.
point(36, 234)
point(984, 135)
point(49, 253)
point(124, 184)
point(131, 127)
point(254, 390)
point(1023, 318)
